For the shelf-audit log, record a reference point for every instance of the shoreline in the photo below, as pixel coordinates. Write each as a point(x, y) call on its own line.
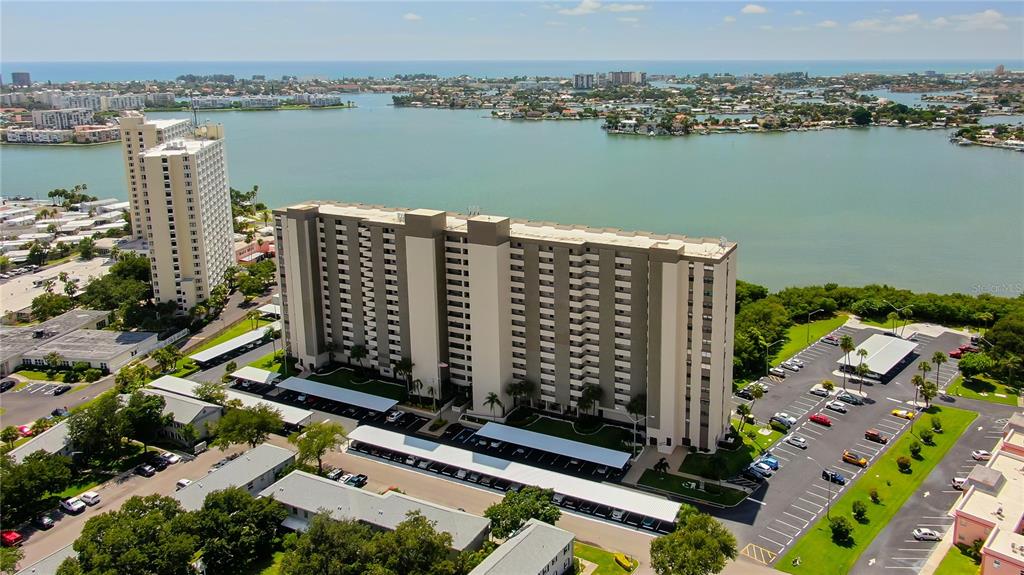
point(61, 144)
point(289, 108)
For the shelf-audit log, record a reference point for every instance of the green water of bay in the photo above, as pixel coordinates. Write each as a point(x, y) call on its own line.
point(878, 205)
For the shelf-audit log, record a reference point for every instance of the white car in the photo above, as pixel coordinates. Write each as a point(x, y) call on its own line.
point(820, 391)
point(763, 468)
point(958, 483)
point(395, 416)
point(787, 417)
point(790, 366)
point(836, 406)
point(170, 458)
point(797, 362)
point(981, 455)
point(797, 441)
point(182, 484)
point(90, 498)
point(73, 505)
point(922, 534)
point(617, 514)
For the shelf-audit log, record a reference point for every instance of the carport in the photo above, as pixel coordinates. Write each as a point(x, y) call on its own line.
point(254, 375)
point(209, 356)
point(556, 445)
point(292, 416)
point(885, 355)
point(339, 394)
point(567, 485)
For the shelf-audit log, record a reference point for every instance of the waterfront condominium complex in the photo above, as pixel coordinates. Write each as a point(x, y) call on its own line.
point(138, 135)
point(184, 208)
point(482, 301)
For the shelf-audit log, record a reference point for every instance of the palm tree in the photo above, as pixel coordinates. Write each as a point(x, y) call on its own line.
point(984, 317)
point(907, 313)
point(357, 354)
point(846, 344)
point(861, 370)
point(917, 381)
point(757, 392)
point(416, 385)
point(433, 400)
point(893, 317)
point(513, 390)
point(924, 367)
point(253, 316)
point(528, 389)
point(938, 358)
point(590, 395)
point(491, 400)
point(743, 410)
point(403, 368)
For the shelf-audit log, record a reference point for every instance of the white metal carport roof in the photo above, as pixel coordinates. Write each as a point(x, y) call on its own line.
point(884, 353)
point(557, 445)
point(255, 375)
point(601, 493)
point(289, 414)
point(334, 393)
point(234, 343)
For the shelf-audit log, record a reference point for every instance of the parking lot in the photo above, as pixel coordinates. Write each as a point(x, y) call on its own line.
point(38, 387)
point(796, 496)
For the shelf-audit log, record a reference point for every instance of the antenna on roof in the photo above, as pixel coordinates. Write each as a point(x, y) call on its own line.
point(474, 210)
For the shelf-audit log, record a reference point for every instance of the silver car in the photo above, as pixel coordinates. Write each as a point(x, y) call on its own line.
point(797, 441)
point(837, 406)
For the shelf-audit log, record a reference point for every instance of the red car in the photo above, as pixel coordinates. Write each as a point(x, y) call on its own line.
point(11, 538)
point(821, 419)
point(956, 354)
point(968, 348)
point(25, 430)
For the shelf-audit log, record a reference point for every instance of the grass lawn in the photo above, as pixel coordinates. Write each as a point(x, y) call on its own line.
point(605, 560)
point(956, 563)
point(269, 566)
point(983, 389)
point(723, 464)
point(268, 363)
point(819, 554)
point(608, 436)
point(798, 336)
point(688, 488)
point(40, 375)
point(349, 380)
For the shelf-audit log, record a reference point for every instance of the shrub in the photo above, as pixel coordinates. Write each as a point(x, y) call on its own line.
point(875, 497)
point(927, 436)
point(860, 511)
point(750, 433)
point(92, 375)
point(903, 463)
point(915, 449)
point(72, 377)
point(841, 528)
point(936, 424)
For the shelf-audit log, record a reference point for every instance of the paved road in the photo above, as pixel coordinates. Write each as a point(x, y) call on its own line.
point(41, 544)
point(216, 372)
point(782, 509)
point(894, 549)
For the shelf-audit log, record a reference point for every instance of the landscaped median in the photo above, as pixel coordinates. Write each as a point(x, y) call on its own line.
point(724, 464)
point(692, 489)
point(817, 551)
point(605, 560)
point(983, 388)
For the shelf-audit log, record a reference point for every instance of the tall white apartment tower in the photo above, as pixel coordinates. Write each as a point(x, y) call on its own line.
point(185, 214)
point(478, 302)
point(138, 135)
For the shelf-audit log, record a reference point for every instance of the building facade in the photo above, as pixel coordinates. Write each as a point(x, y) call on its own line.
point(21, 79)
point(37, 136)
point(137, 136)
point(583, 81)
point(64, 119)
point(481, 301)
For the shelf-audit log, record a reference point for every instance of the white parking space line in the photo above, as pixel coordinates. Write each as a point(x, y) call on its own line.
point(810, 430)
point(797, 517)
point(809, 502)
point(782, 546)
point(811, 513)
point(822, 497)
point(781, 533)
point(788, 525)
point(944, 517)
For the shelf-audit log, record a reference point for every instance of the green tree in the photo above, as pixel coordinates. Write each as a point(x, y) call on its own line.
point(590, 397)
point(9, 435)
point(148, 535)
point(1007, 335)
point(743, 410)
point(841, 528)
point(316, 440)
point(846, 344)
point(974, 364)
point(492, 400)
point(403, 368)
point(516, 508)
point(328, 547)
point(36, 254)
point(928, 392)
point(938, 358)
point(47, 305)
point(827, 385)
point(166, 357)
point(87, 248)
point(132, 377)
point(237, 530)
point(700, 545)
point(27, 485)
point(415, 546)
point(903, 462)
point(249, 425)
point(357, 353)
point(143, 417)
point(9, 558)
point(860, 511)
point(210, 391)
point(98, 429)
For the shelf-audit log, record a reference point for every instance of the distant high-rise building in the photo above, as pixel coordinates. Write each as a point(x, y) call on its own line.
point(479, 302)
point(137, 136)
point(21, 79)
point(186, 216)
point(1000, 70)
point(627, 78)
point(64, 119)
point(583, 81)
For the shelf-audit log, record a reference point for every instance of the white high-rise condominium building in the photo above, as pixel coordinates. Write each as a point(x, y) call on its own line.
point(138, 135)
point(483, 301)
point(185, 213)
point(63, 119)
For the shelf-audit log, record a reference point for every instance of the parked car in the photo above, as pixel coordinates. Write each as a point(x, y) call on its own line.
point(762, 468)
point(170, 458)
point(156, 462)
point(618, 514)
point(61, 389)
point(850, 398)
point(830, 339)
point(744, 394)
point(797, 362)
point(11, 538)
point(357, 481)
point(833, 477)
point(851, 457)
point(72, 505)
point(394, 416)
point(821, 419)
point(648, 523)
point(60, 412)
point(182, 484)
point(924, 534)
point(790, 366)
point(777, 372)
point(958, 483)
point(769, 460)
point(25, 430)
point(797, 441)
point(787, 417)
point(145, 470)
point(752, 475)
point(837, 406)
point(42, 522)
point(981, 455)
point(90, 498)
point(784, 423)
point(876, 436)
point(461, 474)
point(956, 354)
point(903, 413)
point(7, 384)
point(819, 391)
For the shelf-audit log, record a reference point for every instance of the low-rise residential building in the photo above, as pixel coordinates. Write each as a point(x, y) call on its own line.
point(536, 549)
point(97, 134)
point(63, 119)
point(304, 495)
point(55, 440)
point(253, 470)
point(103, 349)
point(15, 342)
point(37, 136)
point(160, 99)
point(992, 507)
point(260, 102)
point(186, 412)
point(124, 102)
point(211, 102)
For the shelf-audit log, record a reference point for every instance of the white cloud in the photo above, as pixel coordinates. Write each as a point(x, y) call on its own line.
point(798, 12)
point(411, 17)
point(582, 9)
point(875, 25)
point(754, 9)
point(626, 7)
point(729, 19)
point(765, 27)
point(907, 19)
point(986, 20)
point(827, 24)
point(939, 22)
point(629, 20)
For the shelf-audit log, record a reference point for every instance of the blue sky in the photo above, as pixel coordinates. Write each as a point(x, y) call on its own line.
point(578, 30)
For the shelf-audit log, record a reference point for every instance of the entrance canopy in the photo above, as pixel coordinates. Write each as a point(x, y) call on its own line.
point(556, 445)
point(340, 394)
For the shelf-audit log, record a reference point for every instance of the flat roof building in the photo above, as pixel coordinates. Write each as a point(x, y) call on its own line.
point(100, 348)
point(138, 135)
point(292, 416)
point(15, 342)
point(477, 302)
point(885, 354)
point(536, 549)
point(305, 495)
point(253, 470)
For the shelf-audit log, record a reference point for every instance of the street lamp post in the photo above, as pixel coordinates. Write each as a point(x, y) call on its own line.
point(768, 346)
point(809, 324)
point(828, 504)
point(899, 311)
point(635, 422)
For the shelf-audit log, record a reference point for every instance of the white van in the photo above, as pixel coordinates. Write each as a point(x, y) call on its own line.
point(182, 484)
point(90, 498)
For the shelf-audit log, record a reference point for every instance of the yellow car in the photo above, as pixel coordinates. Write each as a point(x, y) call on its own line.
point(851, 457)
point(905, 414)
